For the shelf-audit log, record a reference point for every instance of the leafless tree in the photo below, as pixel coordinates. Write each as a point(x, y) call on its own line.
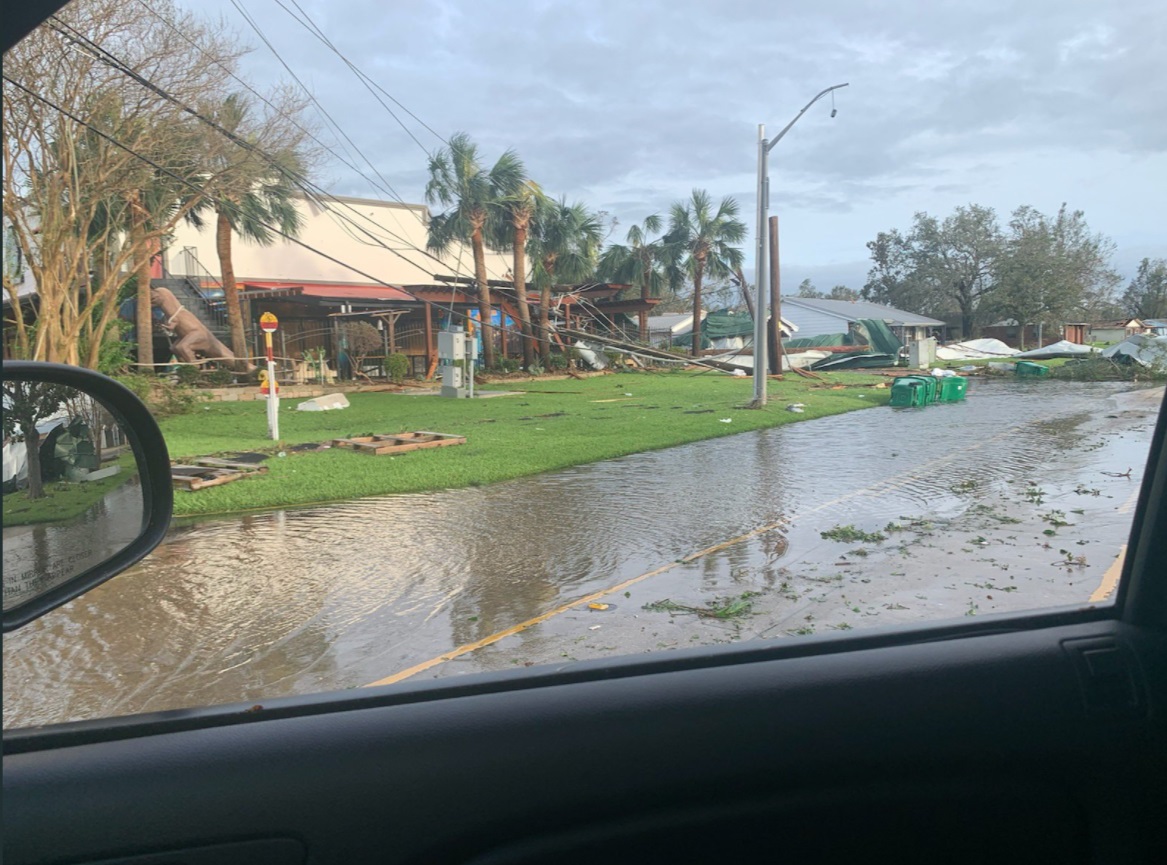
point(84, 210)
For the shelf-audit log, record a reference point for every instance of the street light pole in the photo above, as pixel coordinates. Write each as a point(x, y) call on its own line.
point(764, 148)
point(760, 277)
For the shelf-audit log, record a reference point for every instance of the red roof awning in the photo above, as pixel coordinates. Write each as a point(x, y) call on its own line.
point(330, 291)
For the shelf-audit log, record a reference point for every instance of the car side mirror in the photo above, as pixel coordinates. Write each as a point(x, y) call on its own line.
point(87, 489)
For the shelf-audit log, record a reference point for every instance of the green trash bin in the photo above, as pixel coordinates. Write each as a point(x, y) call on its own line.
point(932, 384)
point(911, 390)
point(1029, 368)
point(952, 388)
point(931, 387)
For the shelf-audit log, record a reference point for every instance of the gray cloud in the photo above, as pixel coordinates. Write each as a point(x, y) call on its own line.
point(631, 105)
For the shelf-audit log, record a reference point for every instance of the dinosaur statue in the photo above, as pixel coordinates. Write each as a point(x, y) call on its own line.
point(189, 337)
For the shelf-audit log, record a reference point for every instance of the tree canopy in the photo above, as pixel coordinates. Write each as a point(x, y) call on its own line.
point(472, 195)
point(1146, 296)
point(1037, 269)
point(704, 242)
point(68, 189)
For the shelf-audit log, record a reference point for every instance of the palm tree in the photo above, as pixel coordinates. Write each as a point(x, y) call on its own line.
point(458, 180)
point(564, 246)
point(513, 226)
point(642, 262)
point(251, 193)
point(706, 240)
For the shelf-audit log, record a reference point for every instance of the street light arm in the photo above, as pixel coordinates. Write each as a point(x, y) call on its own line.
point(770, 144)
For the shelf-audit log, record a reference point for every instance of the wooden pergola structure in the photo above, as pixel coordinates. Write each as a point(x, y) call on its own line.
point(413, 314)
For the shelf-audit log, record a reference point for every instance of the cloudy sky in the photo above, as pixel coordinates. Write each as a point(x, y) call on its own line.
point(629, 104)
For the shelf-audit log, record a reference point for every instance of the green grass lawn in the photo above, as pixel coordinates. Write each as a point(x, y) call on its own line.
point(554, 424)
point(64, 501)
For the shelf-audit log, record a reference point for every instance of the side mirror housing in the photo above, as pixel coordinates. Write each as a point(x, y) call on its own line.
point(87, 489)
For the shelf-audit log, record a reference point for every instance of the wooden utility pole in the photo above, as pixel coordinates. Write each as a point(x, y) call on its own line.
point(775, 302)
point(745, 289)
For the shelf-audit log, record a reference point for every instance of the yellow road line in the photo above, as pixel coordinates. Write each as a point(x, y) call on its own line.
point(1110, 578)
point(1125, 507)
point(514, 629)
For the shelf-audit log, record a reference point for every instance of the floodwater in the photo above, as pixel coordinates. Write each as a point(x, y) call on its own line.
point(327, 598)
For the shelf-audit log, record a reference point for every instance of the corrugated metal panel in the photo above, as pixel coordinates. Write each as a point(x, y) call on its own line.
point(812, 322)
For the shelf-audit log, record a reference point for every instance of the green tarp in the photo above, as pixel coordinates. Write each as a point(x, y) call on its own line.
point(722, 324)
point(884, 346)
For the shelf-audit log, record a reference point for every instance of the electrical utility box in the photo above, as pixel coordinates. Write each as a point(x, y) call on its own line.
point(451, 345)
point(922, 354)
point(456, 363)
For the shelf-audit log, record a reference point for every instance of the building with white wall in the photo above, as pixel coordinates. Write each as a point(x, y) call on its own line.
point(367, 241)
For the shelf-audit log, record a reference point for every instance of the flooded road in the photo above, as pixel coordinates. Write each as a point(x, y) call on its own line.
point(335, 597)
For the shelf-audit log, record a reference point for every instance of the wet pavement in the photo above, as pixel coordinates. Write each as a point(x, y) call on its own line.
point(44, 555)
point(971, 499)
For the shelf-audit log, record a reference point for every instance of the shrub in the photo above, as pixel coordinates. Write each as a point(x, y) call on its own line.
point(397, 367)
point(362, 340)
point(161, 396)
point(114, 355)
point(188, 374)
point(506, 365)
point(138, 382)
point(220, 377)
point(557, 361)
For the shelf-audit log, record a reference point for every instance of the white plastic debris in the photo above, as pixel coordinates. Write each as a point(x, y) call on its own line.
point(593, 358)
point(727, 420)
point(796, 407)
point(324, 403)
point(740, 373)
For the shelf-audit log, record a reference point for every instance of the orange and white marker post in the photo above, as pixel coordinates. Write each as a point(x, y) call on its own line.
point(268, 323)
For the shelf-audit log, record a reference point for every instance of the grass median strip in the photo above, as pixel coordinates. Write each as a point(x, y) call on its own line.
point(64, 501)
point(507, 437)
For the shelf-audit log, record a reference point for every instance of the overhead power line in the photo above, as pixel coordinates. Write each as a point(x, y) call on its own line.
point(371, 85)
point(324, 112)
point(377, 184)
point(314, 191)
point(275, 230)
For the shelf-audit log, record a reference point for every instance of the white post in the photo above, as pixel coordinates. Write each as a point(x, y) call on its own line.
point(273, 399)
point(268, 323)
point(273, 403)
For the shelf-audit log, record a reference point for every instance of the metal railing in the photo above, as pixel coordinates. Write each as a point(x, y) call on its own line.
point(200, 284)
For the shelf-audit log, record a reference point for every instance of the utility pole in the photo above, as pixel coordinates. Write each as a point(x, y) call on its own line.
point(775, 301)
point(764, 148)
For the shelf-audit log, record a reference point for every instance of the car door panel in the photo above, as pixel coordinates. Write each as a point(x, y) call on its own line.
point(445, 780)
